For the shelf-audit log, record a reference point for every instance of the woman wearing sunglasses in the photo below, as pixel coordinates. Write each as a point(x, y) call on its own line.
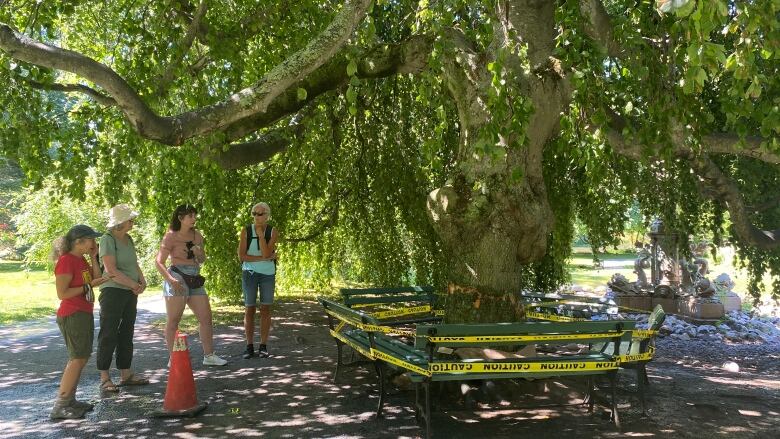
point(182, 284)
point(257, 252)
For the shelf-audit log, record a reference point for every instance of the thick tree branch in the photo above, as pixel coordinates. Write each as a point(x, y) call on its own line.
point(598, 26)
point(724, 143)
point(181, 49)
point(175, 130)
point(716, 185)
point(143, 119)
point(725, 191)
point(410, 56)
point(98, 97)
point(716, 143)
point(244, 154)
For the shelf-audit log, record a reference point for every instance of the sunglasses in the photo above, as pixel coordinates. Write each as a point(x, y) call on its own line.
point(258, 213)
point(190, 253)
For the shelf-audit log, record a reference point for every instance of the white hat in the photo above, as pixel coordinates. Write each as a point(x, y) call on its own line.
point(119, 214)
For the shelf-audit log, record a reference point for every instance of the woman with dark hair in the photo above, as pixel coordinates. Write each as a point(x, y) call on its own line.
point(183, 244)
point(74, 279)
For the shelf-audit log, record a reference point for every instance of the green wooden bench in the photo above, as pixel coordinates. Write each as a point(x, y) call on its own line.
point(395, 306)
point(433, 356)
point(437, 340)
point(346, 326)
point(637, 350)
point(568, 306)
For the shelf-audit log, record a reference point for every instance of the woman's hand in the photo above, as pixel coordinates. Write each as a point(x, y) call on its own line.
point(200, 255)
point(178, 286)
point(101, 280)
point(93, 252)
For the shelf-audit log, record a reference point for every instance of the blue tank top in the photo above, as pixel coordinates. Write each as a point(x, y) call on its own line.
point(262, 267)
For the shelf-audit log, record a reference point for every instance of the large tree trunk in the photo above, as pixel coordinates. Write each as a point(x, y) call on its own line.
point(490, 222)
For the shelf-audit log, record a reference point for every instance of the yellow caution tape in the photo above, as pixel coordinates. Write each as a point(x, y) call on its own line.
point(576, 303)
point(387, 330)
point(643, 333)
point(438, 312)
point(343, 318)
point(367, 327)
point(573, 302)
point(539, 367)
point(635, 357)
point(379, 355)
point(524, 338)
point(351, 344)
point(553, 317)
point(402, 311)
point(635, 334)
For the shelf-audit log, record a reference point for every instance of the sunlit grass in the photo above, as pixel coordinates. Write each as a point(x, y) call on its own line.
point(25, 294)
point(584, 273)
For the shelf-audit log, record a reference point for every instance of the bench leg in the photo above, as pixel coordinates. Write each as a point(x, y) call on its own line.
point(613, 381)
point(641, 374)
point(381, 377)
point(422, 409)
point(589, 396)
point(338, 361)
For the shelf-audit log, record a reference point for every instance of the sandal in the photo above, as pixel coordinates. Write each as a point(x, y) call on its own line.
point(133, 380)
point(108, 386)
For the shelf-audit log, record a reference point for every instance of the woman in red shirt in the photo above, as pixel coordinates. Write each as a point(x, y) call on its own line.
point(74, 279)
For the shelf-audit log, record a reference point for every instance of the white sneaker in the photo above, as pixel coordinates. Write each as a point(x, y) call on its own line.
point(213, 360)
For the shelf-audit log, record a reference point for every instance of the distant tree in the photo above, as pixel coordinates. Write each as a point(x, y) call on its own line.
point(10, 189)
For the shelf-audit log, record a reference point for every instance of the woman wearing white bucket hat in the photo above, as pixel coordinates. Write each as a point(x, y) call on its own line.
point(119, 299)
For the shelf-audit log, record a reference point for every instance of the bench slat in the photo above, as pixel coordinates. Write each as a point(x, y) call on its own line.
point(362, 291)
point(520, 329)
point(362, 300)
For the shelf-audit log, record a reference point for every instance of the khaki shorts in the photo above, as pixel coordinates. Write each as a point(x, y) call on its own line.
point(78, 330)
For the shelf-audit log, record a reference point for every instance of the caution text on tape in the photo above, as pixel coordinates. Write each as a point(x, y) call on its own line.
point(524, 338)
point(398, 362)
point(530, 367)
point(402, 311)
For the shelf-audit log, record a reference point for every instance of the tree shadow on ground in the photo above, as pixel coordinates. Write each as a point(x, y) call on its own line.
point(292, 394)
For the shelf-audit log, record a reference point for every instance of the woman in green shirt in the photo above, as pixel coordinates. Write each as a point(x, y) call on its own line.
point(119, 299)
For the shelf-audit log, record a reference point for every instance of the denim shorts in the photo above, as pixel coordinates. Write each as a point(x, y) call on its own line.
point(168, 290)
point(251, 282)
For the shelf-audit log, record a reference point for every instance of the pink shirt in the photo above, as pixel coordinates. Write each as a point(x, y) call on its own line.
point(177, 246)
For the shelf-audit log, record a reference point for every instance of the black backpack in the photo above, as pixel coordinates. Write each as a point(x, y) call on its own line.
point(250, 238)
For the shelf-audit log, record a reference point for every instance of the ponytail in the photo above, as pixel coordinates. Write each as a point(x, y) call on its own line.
point(60, 246)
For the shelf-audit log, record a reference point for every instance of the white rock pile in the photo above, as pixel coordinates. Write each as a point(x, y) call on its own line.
point(735, 327)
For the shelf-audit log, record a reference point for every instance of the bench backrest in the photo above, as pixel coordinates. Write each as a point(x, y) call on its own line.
point(372, 296)
point(459, 335)
point(349, 314)
point(641, 346)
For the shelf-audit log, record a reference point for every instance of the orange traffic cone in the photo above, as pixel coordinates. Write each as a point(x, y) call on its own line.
point(180, 396)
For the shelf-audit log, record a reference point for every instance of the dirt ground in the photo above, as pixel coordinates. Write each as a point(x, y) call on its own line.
point(292, 394)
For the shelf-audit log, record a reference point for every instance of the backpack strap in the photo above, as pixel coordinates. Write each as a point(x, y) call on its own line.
point(268, 230)
point(249, 238)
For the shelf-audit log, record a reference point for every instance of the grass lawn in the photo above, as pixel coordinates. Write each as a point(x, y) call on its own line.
point(25, 295)
point(584, 273)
